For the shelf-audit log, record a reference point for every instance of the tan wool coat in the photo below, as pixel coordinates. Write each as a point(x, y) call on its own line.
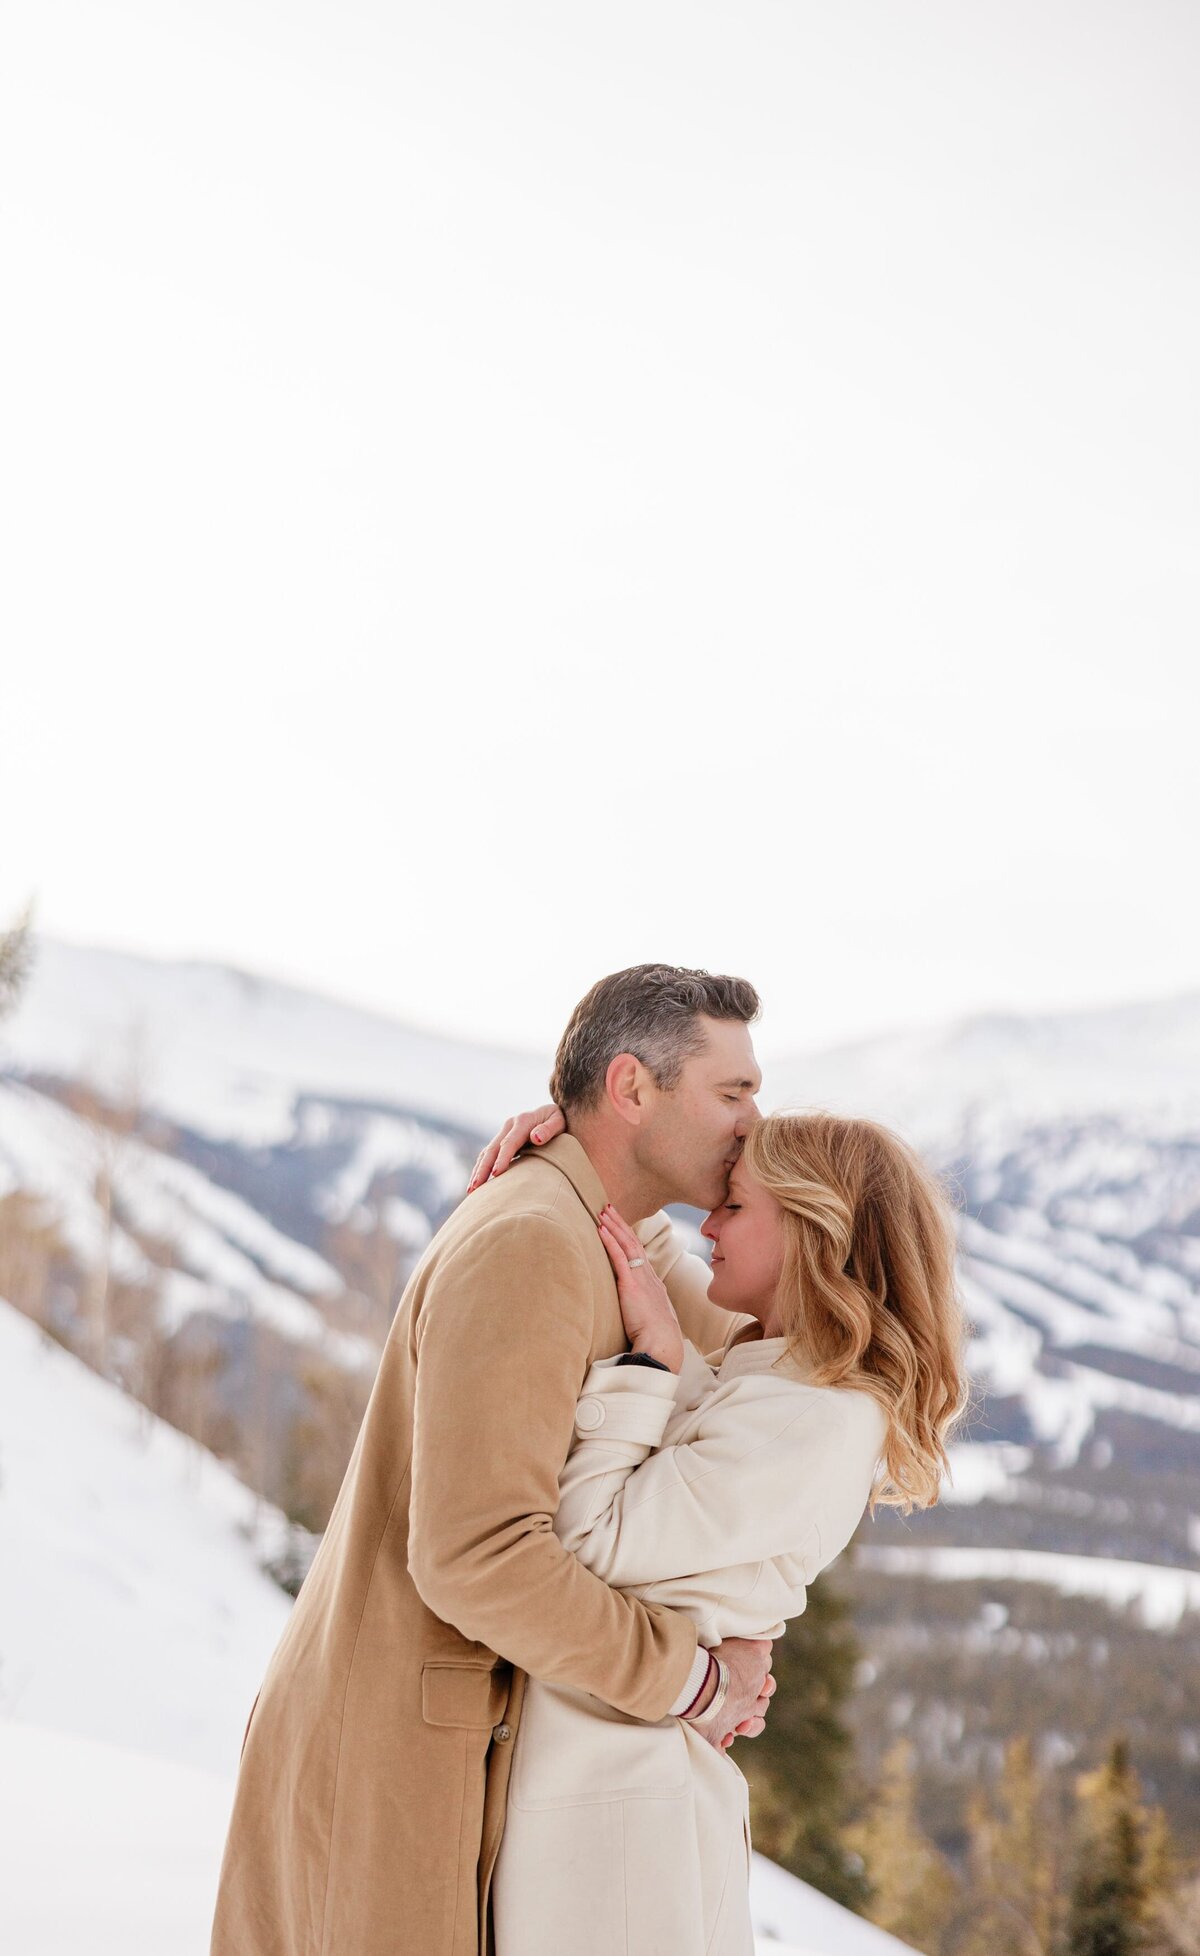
point(370, 1799)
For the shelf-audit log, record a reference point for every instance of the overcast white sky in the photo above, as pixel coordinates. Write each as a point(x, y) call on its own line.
point(495, 493)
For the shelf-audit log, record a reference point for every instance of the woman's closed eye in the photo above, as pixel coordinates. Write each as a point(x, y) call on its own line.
point(733, 1207)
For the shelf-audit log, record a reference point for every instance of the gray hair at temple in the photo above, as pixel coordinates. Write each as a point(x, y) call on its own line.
point(650, 1010)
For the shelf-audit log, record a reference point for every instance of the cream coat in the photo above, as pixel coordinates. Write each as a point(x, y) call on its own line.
point(635, 1837)
point(371, 1793)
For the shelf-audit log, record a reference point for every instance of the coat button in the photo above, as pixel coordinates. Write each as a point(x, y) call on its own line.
point(502, 1734)
point(589, 1414)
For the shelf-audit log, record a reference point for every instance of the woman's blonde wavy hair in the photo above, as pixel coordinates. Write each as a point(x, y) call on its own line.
point(868, 1296)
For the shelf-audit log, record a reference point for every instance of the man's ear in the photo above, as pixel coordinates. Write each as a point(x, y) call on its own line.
point(625, 1084)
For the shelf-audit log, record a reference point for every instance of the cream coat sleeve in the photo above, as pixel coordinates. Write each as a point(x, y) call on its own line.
point(687, 1278)
point(775, 1469)
point(503, 1343)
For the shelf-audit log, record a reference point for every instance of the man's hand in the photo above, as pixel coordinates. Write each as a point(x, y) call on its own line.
point(744, 1712)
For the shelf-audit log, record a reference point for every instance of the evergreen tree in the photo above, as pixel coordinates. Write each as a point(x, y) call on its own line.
point(914, 1895)
point(797, 1768)
point(1012, 1857)
point(16, 961)
point(1108, 1900)
point(1172, 1902)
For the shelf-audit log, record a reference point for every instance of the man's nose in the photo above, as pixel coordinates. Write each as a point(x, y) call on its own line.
point(746, 1121)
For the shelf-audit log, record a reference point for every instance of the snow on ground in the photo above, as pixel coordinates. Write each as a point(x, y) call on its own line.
point(141, 1840)
point(103, 1849)
point(135, 1625)
point(1164, 1594)
point(133, 1609)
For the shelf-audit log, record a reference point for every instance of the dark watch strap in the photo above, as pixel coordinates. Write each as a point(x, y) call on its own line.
point(642, 1358)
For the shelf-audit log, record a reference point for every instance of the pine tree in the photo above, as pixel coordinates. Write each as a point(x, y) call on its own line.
point(913, 1892)
point(1108, 1901)
point(1172, 1902)
point(798, 1767)
point(1011, 1864)
point(16, 961)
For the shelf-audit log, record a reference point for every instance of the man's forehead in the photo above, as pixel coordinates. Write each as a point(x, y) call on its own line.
point(728, 1055)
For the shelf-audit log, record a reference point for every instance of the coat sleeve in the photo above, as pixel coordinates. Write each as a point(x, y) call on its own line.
point(753, 1484)
point(502, 1346)
point(687, 1278)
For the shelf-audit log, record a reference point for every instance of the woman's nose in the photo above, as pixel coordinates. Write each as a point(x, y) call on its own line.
point(709, 1227)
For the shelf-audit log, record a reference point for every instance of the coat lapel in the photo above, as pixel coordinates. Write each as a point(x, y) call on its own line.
point(565, 1154)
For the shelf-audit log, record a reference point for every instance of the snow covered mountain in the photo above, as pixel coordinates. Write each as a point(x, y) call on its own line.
point(282, 1144)
point(229, 1179)
point(230, 1056)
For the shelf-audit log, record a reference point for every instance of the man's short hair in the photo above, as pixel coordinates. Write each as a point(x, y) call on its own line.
point(652, 1011)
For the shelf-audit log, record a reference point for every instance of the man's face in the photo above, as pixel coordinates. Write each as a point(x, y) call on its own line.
point(697, 1129)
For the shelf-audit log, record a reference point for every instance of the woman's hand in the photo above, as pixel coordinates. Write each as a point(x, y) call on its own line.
point(648, 1313)
point(540, 1126)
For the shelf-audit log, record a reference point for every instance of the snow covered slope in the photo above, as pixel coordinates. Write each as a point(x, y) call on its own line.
point(143, 1838)
point(228, 1054)
point(133, 1609)
point(1138, 1058)
point(1073, 1139)
point(134, 1630)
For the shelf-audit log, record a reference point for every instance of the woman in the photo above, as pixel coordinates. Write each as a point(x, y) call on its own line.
point(722, 1490)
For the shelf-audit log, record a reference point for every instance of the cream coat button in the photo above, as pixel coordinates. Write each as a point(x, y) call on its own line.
point(589, 1414)
point(502, 1733)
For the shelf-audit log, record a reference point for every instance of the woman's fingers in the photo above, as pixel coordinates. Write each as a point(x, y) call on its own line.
point(628, 1238)
point(517, 1131)
point(616, 1255)
point(486, 1161)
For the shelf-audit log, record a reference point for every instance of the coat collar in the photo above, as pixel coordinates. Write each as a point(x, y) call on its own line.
point(565, 1153)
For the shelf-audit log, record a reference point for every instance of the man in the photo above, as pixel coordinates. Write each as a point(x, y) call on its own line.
point(370, 1800)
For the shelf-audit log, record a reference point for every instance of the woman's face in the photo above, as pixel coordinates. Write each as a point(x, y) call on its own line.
point(746, 1233)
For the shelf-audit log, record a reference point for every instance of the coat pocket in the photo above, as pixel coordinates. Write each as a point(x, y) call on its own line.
point(466, 1696)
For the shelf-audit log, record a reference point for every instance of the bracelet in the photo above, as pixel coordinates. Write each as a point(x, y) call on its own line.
point(722, 1689)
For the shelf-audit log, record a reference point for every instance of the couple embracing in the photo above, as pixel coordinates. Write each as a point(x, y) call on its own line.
point(593, 1482)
